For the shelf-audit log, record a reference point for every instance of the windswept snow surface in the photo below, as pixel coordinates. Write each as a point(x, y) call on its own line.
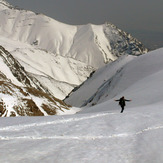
point(99, 133)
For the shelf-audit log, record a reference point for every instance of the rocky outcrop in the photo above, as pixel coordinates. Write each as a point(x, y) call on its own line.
point(121, 42)
point(30, 99)
point(19, 72)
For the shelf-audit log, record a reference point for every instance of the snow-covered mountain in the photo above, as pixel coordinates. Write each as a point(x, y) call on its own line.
point(83, 42)
point(22, 94)
point(61, 56)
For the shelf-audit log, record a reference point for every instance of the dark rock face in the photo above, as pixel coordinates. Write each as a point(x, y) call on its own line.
point(123, 43)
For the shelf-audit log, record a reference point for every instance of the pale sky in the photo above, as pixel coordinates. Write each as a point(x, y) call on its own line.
point(129, 15)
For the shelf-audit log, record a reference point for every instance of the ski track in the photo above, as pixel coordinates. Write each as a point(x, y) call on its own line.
point(69, 137)
point(20, 127)
point(87, 138)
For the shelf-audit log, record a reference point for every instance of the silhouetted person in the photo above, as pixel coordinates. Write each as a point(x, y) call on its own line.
point(122, 103)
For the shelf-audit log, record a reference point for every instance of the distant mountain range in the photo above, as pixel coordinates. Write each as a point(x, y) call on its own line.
point(53, 57)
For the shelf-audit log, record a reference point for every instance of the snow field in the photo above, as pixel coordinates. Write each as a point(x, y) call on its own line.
point(91, 137)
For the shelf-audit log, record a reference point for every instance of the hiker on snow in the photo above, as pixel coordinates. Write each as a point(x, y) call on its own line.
point(122, 103)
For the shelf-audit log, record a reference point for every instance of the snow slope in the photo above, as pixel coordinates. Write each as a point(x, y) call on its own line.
point(115, 79)
point(98, 79)
point(99, 133)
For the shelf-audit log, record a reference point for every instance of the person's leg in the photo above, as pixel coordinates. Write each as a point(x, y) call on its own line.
point(122, 109)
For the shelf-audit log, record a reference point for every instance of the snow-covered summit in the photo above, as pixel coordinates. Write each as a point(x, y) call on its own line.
point(4, 5)
point(87, 43)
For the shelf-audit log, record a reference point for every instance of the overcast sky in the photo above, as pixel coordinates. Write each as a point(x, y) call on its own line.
point(126, 14)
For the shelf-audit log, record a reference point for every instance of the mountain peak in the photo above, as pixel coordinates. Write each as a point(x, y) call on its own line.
point(122, 42)
point(5, 3)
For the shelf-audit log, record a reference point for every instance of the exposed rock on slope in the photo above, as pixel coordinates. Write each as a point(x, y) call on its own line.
point(122, 43)
point(21, 94)
point(18, 71)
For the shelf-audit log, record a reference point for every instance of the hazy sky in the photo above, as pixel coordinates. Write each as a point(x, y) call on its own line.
point(126, 14)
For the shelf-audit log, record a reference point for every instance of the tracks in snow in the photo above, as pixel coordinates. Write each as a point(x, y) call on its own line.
point(17, 128)
point(61, 121)
point(78, 137)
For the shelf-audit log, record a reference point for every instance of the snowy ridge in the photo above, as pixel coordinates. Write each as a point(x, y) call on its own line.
point(78, 42)
point(18, 71)
point(122, 43)
point(5, 5)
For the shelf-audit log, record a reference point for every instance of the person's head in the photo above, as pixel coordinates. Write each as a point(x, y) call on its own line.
point(122, 97)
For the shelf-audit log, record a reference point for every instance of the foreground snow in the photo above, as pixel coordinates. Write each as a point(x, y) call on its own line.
point(135, 136)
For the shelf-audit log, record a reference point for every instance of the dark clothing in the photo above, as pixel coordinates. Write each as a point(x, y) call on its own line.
point(122, 109)
point(122, 103)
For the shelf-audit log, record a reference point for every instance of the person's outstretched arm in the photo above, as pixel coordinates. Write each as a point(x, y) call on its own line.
point(127, 100)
